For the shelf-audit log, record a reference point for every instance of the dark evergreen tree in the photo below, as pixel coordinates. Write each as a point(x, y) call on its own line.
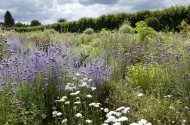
point(9, 21)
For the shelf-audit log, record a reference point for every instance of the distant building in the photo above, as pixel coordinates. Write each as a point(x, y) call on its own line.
point(2, 23)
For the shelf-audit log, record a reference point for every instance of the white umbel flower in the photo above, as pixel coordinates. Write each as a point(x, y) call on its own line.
point(77, 74)
point(89, 96)
point(140, 94)
point(88, 121)
point(79, 115)
point(75, 93)
point(64, 121)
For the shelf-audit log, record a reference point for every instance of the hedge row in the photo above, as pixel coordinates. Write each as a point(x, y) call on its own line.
point(169, 18)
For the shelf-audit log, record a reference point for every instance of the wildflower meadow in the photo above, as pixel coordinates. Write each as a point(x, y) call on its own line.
point(131, 76)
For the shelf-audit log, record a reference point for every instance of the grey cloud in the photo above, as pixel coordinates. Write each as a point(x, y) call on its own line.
point(148, 4)
point(27, 10)
point(62, 2)
point(90, 2)
point(144, 4)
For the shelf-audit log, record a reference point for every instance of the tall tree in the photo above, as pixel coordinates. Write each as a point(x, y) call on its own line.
point(35, 23)
point(9, 21)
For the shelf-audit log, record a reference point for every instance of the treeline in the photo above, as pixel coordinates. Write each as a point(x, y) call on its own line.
point(165, 19)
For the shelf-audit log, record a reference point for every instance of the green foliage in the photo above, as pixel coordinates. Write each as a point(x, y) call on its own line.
point(125, 28)
point(153, 22)
point(61, 20)
point(142, 105)
point(35, 23)
point(56, 26)
point(142, 75)
point(104, 30)
point(88, 31)
point(19, 24)
point(184, 27)
point(86, 39)
point(8, 19)
point(126, 22)
point(144, 32)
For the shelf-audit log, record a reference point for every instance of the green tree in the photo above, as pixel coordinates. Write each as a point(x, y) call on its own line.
point(9, 21)
point(62, 20)
point(153, 22)
point(19, 24)
point(35, 23)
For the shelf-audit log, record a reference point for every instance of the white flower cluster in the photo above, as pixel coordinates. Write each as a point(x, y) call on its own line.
point(142, 122)
point(62, 99)
point(75, 93)
point(79, 115)
point(96, 105)
point(56, 113)
point(70, 87)
point(116, 117)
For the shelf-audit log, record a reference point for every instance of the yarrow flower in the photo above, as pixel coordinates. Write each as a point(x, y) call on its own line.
point(70, 87)
point(56, 113)
point(88, 121)
point(120, 108)
point(122, 119)
point(93, 88)
point(77, 74)
point(140, 94)
point(117, 123)
point(85, 79)
point(142, 122)
point(67, 102)
point(64, 121)
point(88, 96)
point(84, 84)
point(110, 119)
point(106, 110)
point(77, 102)
point(97, 105)
point(75, 93)
point(89, 80)
point(79, 115)
point(125, 110)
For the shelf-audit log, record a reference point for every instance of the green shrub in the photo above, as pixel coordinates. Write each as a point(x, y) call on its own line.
point(125, 28)
point(86, 39)
point(104, 30)
point(153, 22)
point(184, 27)
point(88, 31)
point(143, 75)
point(144, 32)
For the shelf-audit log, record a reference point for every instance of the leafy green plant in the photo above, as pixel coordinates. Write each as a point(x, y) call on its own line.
point(184, 27)
point(142, 75)
point(144, 32)
point(125, 28)
point(88, 31)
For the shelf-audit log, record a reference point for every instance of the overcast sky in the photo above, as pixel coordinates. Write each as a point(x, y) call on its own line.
point(49, 11)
